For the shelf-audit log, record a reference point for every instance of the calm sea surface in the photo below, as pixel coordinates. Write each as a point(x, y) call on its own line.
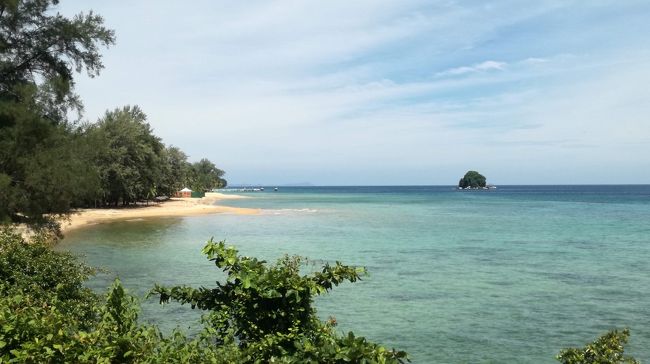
point(504, 276)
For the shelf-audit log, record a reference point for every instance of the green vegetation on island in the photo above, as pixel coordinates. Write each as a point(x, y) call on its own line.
point(472, 179)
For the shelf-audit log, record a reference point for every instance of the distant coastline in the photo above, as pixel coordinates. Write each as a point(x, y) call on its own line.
point(173, 207)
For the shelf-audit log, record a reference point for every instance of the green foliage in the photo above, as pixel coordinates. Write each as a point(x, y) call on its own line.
point(205, 176)
point(35, 38)
point(607, 349)
point(42, 300)
point(472, 179)
point(128, 156)
point(46, 316)
point(175, 171)
point(41, 168)
point(53, 278)
point(32, 331)
point(41, 171)
point(268, 310)
point(134, 165)
point(42, 48)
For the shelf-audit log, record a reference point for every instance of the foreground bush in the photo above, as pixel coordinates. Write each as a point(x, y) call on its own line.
point(268, 310)
point(607, 349)
point(47, 316)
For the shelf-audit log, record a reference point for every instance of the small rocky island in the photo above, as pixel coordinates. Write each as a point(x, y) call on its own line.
point(474, 181)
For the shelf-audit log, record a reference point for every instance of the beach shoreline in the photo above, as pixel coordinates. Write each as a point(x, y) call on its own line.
point(175, 207)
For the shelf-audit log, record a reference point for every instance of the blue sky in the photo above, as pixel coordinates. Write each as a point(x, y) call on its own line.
point(387, 92)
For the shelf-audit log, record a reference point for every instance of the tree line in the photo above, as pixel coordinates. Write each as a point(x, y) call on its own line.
point(132, 164)
point(50, 162)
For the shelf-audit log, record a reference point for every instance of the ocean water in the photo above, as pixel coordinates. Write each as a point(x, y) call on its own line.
point(505, 276)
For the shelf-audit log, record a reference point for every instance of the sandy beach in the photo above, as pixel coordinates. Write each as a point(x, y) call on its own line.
point(173, 207)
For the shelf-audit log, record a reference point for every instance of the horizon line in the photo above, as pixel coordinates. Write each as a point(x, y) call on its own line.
point(433, 185)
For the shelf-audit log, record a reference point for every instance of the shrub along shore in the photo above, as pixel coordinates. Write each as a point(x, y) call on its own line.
point(262, 313)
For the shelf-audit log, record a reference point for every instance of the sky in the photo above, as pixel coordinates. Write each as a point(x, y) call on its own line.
point(376, 92)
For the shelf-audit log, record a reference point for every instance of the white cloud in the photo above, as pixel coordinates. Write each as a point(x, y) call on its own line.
point(480, 67)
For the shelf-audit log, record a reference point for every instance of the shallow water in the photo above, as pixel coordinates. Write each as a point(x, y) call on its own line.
point(511, 275)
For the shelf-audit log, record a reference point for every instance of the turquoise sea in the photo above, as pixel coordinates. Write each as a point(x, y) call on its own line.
point(503, 276)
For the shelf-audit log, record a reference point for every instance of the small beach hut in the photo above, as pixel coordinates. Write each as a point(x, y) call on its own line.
point(184, 193)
